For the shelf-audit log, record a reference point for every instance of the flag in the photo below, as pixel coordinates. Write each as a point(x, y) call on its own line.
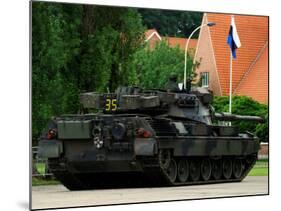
point(233, 39)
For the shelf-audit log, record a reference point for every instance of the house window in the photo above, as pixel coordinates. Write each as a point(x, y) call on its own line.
point(205, 79)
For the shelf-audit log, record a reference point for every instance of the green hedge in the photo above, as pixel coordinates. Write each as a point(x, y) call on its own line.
point(243, 105)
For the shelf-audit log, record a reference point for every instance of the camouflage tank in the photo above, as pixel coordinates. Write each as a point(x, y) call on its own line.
point(140, 137)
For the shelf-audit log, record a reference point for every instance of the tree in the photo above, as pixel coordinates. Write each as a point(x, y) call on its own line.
point(55, 44)
point(171, 23)
point(110, 36)
point(79, 48)
point(154, 66)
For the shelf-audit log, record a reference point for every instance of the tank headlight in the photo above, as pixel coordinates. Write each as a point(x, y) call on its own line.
point(96, 131)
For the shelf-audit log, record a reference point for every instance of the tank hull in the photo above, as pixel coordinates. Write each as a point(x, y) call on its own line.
point(157, 161)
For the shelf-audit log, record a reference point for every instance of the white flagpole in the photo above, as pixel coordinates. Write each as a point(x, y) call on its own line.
point(230, 86)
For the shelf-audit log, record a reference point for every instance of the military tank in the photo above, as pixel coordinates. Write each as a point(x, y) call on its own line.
point(139, 137)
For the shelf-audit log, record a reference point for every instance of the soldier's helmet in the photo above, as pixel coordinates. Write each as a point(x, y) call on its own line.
point(173, 77)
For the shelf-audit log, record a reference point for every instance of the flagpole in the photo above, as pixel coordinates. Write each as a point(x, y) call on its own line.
point(234, 43)
point(230, 86)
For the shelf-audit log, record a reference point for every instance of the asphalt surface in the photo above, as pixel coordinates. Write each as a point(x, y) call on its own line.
point(56, 196)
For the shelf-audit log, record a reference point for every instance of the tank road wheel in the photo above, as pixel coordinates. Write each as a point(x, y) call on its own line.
point(171, 171)
point(183, 170)
point(237, 168)
point(216, 169)
point(227, 168)
point(194, 170)
point(206, 169)
point(164, 158)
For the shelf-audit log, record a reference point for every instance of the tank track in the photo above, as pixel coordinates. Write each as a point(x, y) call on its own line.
point(154, 170)
point(154, 174)
point(85, 181)
point(69, 180)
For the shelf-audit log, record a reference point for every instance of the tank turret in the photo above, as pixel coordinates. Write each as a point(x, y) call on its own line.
point(192, 105)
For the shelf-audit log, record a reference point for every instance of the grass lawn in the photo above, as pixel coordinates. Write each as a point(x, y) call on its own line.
point(259, 172)
point(41, 180)
point(260, 169)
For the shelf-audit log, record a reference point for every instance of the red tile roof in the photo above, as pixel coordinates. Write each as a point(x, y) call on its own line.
point(253, 33)
point(255, 83)
point(181, 42)
point(174, 41)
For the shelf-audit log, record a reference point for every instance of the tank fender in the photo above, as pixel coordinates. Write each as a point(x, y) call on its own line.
point(145, 146)
point(50, 149)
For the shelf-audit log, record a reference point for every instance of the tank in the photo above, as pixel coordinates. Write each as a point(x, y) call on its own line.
point(142, 137)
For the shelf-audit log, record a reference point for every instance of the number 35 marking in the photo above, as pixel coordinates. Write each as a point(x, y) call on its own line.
point(110, 105)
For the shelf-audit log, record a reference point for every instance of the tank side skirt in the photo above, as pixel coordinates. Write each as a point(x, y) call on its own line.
point(208, 146)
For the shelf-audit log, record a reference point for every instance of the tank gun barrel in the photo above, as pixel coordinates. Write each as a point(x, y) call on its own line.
point(232, 117)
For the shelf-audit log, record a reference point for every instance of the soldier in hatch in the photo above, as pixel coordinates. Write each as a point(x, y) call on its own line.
point(172, 84)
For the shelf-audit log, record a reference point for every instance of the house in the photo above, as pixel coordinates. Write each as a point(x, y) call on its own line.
point(249, 69)
point(152, 37)
point(263, 152)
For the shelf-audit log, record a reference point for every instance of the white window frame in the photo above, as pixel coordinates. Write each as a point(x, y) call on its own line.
point(205, 79)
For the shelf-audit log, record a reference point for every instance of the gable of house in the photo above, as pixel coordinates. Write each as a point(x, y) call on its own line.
point(253, 33)
point(152, 38)
point(204, 55)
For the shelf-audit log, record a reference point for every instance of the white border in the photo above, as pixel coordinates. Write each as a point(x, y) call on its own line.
point(14, 88)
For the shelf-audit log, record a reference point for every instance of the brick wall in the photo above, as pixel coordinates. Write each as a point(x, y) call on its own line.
point(263, 152)
point(204, 55)
point(152, 41)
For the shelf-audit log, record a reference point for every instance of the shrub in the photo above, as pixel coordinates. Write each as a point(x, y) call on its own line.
point(243, 105)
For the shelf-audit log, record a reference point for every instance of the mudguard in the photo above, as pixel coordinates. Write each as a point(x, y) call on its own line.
point(145, 146)
point(50, 149)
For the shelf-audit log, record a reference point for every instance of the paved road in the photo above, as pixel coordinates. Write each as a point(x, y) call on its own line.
point(58, 196)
